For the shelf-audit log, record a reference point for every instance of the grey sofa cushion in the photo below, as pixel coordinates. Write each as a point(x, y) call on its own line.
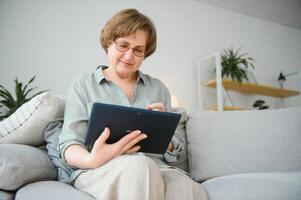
point(4, 195)
point(50, 190)
point(259, 186)
point(22, 164)
point(224, 143)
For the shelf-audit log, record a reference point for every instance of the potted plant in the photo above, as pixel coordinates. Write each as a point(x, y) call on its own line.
point(8, 104)
point(236, 65)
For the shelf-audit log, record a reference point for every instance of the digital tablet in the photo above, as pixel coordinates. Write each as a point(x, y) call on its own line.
point(158, 126)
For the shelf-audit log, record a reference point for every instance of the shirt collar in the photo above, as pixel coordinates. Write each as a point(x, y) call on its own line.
point(98, 73)
point(99, 76)
point(141, 77)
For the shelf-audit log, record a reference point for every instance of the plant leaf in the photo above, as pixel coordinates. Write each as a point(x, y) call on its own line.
point(30, 81)
point(8, 104)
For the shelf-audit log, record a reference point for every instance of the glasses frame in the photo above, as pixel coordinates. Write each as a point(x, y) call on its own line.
point(128, 48)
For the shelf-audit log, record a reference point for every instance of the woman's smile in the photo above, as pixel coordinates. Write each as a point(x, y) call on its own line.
point(126, 63)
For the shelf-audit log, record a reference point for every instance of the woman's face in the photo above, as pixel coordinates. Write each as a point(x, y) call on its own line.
point(124, 60)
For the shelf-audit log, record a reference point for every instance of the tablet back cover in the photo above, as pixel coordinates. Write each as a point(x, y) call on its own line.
point(159, 126)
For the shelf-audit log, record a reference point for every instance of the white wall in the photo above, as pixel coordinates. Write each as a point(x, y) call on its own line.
point(58, 40)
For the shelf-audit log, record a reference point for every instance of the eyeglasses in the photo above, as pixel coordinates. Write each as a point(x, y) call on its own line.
point(138, 51)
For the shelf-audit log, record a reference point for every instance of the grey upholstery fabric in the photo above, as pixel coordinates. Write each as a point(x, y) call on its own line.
point(6, 195)
point(224, 143)
point(50, 190)
point(219, 144)
point(22, 164)
point(259, 186)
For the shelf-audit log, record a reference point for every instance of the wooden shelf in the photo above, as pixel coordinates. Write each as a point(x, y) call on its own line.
point(226, 108)
point(251, 88)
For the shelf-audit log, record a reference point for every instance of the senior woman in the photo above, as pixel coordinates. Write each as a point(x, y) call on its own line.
point(113, 171)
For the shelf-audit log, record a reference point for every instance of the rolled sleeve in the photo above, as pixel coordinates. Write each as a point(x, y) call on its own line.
point(75, 119)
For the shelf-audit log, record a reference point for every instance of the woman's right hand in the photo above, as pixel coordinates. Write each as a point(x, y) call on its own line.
point(103, 152)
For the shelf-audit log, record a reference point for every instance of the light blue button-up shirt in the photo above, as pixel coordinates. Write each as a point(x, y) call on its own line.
point(95, 87)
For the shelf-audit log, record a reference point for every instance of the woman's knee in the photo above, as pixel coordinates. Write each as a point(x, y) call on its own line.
point(139, 165)
point(136, 162)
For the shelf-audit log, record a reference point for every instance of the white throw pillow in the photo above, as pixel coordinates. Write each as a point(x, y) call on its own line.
point(26, 125)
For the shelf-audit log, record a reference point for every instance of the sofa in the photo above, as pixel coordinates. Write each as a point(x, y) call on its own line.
point(253, 154)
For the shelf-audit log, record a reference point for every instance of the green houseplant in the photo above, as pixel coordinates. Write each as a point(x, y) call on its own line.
point(9, 104)
point(235, 65)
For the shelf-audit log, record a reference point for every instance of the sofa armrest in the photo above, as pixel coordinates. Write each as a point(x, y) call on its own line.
point(231, 142)
point(22, 164)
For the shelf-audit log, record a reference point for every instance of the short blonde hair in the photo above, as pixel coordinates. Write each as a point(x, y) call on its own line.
point(127, 22)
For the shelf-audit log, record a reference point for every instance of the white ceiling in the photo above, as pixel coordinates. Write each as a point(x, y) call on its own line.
point(284, 12)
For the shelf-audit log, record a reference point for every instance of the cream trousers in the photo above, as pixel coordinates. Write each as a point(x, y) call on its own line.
point(138, 177)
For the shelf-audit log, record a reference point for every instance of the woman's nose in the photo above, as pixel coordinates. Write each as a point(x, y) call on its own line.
point(129, 54)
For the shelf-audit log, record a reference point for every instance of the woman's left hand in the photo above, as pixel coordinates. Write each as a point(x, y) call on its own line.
point(159, 107)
